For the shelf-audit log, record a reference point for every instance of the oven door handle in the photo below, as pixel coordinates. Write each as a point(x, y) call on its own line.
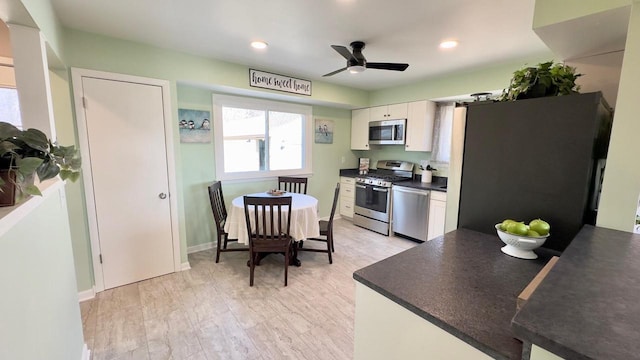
point(374, 188)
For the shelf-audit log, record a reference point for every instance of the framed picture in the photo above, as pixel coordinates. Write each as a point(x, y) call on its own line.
point(324, 131)
point(194, 125)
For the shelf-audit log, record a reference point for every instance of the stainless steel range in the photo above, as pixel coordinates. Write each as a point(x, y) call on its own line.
point(373, 194)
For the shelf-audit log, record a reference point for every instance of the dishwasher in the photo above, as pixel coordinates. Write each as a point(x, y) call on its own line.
point(410, 212)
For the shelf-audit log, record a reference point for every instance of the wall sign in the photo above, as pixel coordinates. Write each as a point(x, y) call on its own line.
point(271, 81)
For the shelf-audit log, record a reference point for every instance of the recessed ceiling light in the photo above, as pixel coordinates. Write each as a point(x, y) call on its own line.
point(449, 44)
point(259, 45)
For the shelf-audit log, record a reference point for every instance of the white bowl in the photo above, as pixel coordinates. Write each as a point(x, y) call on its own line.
point(520, 246)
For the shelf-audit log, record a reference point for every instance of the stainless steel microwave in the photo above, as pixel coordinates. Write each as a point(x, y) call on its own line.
point(387, 132)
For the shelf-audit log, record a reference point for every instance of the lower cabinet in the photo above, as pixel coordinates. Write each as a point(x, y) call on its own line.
point(385, 330)
point(347, 196)
point(437, 212)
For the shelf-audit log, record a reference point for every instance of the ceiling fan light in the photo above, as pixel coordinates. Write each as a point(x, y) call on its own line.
point(355, 69)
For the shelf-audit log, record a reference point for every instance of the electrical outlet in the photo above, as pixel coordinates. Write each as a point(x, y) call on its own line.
point(343, 160)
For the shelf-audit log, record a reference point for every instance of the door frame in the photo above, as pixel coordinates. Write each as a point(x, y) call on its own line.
point(76, 75)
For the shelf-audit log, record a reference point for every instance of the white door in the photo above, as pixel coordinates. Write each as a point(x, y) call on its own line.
point(125, 129)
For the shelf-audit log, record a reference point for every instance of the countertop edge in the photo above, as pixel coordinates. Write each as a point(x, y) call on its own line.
point(433, 320)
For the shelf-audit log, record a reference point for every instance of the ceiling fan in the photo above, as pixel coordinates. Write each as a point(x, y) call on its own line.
point(357, 63)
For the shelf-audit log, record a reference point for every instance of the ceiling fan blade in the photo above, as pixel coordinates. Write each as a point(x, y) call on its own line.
point(343, 51)
point(335, 72)
point(387, 66)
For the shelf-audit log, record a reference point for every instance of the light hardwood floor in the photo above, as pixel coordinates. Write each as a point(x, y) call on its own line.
point(210, 312)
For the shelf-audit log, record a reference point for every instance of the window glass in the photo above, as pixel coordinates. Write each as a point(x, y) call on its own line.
point(10, 107)
point(258, 138)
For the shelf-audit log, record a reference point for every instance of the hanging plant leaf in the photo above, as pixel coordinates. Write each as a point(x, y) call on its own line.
point(47, 170)
point(547, 79)
point(8, 131)
point(27, 166)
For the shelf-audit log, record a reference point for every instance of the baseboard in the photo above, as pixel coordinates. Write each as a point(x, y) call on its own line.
point(86, 353)
point(87, 294)
point(185, 266)
point(201, 247)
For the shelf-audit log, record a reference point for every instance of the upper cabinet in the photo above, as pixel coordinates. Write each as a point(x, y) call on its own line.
point(420, 118)
point(360, 129)
point(389, 112)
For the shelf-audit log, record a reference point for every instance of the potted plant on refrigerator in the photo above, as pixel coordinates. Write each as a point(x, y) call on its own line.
point(27, 153)
point(545, 79)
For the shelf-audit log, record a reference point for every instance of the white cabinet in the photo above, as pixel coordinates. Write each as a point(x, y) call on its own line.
point(360, 129)
point(420, 118)
point(347, 196)
point(389, 112)
point(437, 211)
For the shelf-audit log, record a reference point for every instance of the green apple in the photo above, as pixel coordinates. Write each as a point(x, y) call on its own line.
point(540, 226)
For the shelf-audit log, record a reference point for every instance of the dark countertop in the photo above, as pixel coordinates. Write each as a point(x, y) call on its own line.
point(587, 307)
point(462, 283)
point(437, 183)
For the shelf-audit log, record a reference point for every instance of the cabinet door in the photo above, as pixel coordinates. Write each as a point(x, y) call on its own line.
point(379, 113)
point(347, 196)
point(420, 118)
point(360, 129)
point(437, 211)
point(397, 111)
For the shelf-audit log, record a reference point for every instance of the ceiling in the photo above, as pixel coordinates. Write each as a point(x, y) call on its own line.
point(300, 33)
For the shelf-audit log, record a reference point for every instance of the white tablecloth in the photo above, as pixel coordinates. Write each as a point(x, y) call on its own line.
point(304, 217)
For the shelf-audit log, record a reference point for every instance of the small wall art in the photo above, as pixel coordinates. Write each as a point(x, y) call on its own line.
point(324, 131)
point(194, 125)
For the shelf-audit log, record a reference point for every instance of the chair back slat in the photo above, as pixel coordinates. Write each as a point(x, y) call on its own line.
point(292, 184)
point(336, 195)
point(217, 204)
point(268, 218)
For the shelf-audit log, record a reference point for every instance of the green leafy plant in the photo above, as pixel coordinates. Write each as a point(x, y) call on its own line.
point(546, 79)
point(29, 152)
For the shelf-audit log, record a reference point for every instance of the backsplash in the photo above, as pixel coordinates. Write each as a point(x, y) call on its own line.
point(397, 152)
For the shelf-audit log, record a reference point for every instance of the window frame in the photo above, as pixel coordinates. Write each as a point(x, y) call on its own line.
point(220, 101)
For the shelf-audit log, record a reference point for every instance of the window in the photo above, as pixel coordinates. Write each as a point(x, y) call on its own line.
point(259, 138)
point(9, 105)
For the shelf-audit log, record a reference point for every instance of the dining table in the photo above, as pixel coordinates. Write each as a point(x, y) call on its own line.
point(304, 219)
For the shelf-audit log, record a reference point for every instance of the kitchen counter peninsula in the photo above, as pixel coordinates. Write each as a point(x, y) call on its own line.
point(587, 306)
point(460, 283)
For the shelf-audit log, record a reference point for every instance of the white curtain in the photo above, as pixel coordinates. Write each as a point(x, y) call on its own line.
point(442, 127)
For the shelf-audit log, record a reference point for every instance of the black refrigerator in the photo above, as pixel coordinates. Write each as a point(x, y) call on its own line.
point(535, 158)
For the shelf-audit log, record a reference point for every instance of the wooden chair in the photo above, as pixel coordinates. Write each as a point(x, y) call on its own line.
point(292, 184)
point(326, 230)
point(270, 232)
point(220, 217)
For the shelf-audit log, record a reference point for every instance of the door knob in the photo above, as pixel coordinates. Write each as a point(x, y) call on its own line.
point(162, 196)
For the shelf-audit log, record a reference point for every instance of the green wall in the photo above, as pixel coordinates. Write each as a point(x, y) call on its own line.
point(39, 311)
point(195, 167)
point(66, 135)
point(464, 82)
point(198, 167)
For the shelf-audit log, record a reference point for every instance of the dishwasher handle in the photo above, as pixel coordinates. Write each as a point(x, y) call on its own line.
point(411, 191)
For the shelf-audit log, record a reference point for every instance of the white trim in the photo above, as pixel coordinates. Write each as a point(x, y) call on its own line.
point(185, 266)
point(77, 74)
point(87, 294)
point(86, 353)
point(200, 247)
point(219, 101)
